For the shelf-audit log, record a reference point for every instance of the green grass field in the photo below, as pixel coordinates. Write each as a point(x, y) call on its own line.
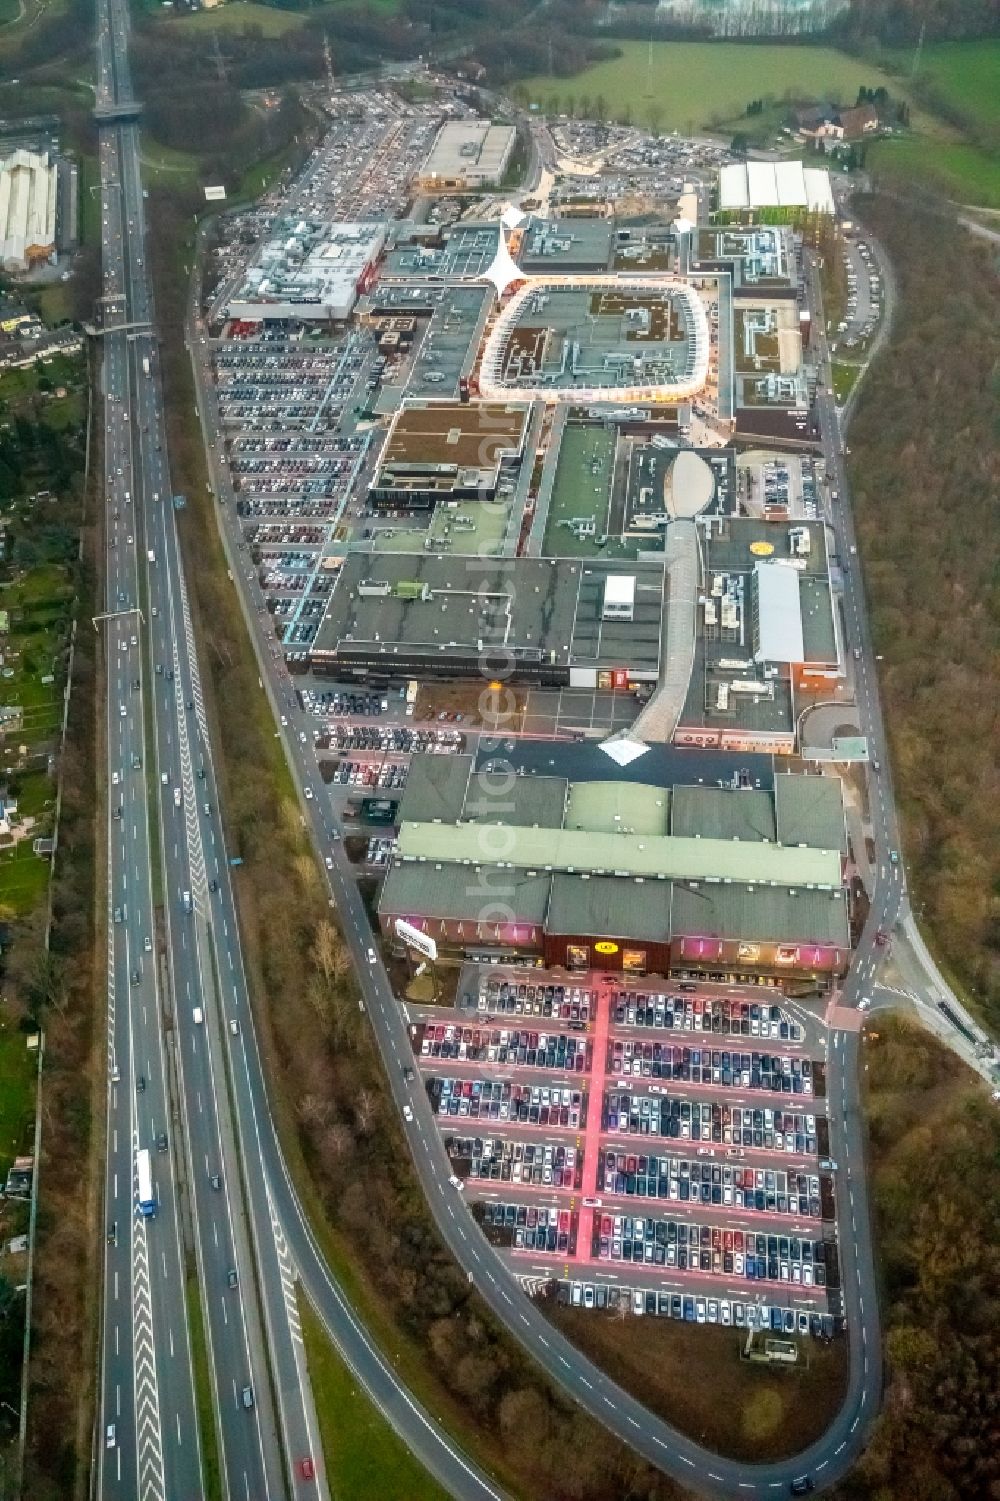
point(696, 83)
point(239, 15)
point(844, 379)
point(363, 1456)
point(966, 75)
point(964, 172)
point(17, 1091)
point(163, 165)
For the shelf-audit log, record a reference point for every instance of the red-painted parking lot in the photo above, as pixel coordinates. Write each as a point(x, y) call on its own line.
point(641, 1137)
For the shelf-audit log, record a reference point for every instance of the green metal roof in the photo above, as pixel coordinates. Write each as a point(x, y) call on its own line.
point(435, 788)
point(609, 807)
point(810, 810)
point(603, 907)
point(495, 797)
point(722, 813)
point(629, 854)
point(457, 892)
point(768, 914)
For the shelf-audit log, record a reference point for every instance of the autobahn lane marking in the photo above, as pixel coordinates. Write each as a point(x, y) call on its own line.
point(149, 1444)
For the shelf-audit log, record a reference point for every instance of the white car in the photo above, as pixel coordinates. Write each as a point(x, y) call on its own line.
point(111, 1440)
point(309, 794)
point(407, 1113)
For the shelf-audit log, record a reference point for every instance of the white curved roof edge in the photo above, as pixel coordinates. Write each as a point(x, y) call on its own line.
point(492, 388)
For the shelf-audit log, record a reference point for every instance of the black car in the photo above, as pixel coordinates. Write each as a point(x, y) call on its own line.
point(161, 1142)
point(802, 1485)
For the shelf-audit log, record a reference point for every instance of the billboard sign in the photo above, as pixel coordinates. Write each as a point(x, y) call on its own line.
point(605, 947)
point(415, 939)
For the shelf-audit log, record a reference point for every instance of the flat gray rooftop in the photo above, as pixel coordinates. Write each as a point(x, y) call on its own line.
point(561, 245)
point(444, 608)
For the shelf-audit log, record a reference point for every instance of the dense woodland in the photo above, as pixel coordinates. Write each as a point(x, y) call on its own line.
point(926, 476)
point(934, 1153)
point(893, 23)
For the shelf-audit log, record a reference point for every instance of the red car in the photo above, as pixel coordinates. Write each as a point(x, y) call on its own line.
point(307, 1469)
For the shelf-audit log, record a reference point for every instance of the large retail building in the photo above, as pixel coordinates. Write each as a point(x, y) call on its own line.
point(622, 875)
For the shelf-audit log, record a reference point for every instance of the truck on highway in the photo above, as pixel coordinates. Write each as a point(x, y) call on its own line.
point(150, 555)
point(145, 364)
point(144, 1173)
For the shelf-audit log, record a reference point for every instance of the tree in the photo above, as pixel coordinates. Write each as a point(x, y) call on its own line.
point(600, 108)
point(654, 114)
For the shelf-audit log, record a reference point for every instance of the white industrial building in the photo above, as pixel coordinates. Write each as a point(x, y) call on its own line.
point(311, 272)
point(28, 192)
point(753, 185)
point(467, 155)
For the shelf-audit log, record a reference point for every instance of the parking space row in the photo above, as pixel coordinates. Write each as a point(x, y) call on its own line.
point(694, 1065)
point(736, 1126)
point(500, 1100)
point(684, 1180)
point(492, 1159)
point(541, 1050)
point(701, 1310)
point(716, 1014)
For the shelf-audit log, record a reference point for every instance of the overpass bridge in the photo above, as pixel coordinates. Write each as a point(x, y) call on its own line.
point(117, 113)
point(138, 325)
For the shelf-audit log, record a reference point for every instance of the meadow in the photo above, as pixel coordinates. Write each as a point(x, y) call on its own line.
point(964, 75)
point(696, 85)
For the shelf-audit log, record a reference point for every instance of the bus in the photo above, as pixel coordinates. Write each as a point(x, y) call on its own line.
point(144, 1172)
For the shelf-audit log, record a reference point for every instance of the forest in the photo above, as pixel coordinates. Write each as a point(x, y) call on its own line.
point(934, 1158)
point(895, 23)
point(926, 477)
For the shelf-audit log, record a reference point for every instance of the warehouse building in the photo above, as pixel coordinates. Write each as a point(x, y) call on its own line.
point(623, 876)
point(467, 155)
point(28, 201)
point(755, 185)
point(311, 271)
point(528, 620)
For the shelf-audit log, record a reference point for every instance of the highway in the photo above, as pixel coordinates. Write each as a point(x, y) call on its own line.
point(147, 1382)
point(833, 1455)
point(169, 1040)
